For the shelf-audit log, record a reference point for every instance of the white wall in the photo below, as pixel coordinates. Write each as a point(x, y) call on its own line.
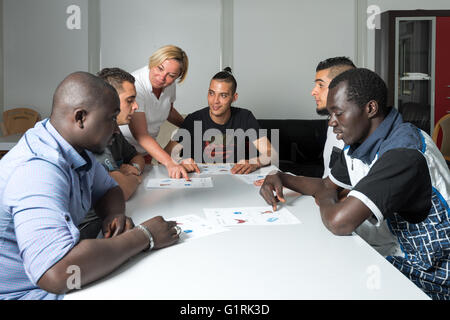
point(132, 30)
point(277, 46)
point(39, 51)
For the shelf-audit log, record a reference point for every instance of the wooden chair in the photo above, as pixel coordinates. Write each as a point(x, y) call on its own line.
point(443, 126)
point(18, 120)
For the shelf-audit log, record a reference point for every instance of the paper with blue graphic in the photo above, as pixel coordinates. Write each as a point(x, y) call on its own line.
point(179, 183)
point(193, 226)
point(247, 216)
point(213, 169)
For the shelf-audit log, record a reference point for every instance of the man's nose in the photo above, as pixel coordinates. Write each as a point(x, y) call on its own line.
point(332, 120)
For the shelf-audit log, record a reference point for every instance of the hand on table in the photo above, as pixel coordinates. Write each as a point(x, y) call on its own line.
point(115, 225)
point(258, 182)
point(190, 165)
point(163, 232)
point(127, 170)
point(245, 167)
point(272, 183)
point(177, 171)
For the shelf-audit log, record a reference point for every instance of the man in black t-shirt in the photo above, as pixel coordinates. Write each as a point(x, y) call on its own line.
point(221, 133)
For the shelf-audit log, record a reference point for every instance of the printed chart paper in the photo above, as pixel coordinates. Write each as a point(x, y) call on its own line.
point(193, 226)
point(250, 178)
point(179, 183)
point(221, 168)
point(247, 216)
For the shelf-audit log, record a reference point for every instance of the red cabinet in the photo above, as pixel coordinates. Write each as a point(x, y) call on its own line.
point(442, 78)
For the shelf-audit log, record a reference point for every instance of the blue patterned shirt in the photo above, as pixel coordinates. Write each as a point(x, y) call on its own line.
point(46, 188)
point(400, 175)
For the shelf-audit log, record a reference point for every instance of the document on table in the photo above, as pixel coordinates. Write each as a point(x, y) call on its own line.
point(193, 226)
point(218, 168)
point(250, 178)
point(257, 175)
point(179, 183)
point(247, 216)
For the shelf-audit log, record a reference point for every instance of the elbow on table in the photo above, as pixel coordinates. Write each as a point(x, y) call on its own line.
point(338, 226)
point(54, 282)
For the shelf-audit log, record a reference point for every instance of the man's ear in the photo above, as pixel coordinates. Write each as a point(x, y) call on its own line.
point(80, 117)
point(235, 97)
point(372, 109)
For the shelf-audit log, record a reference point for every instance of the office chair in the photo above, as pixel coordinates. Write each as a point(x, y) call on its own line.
point(443, 126)
point(18, 120)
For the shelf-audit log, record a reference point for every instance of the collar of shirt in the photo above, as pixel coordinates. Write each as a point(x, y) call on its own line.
point(79, 162)
point(367, 151)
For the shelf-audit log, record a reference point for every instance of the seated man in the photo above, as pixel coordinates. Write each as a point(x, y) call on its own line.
point(120, 158)
point(394, 171)
point(48, 182)
point(221, 133)
point(326, 70)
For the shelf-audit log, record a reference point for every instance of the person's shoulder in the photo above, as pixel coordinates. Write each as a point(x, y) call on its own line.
point(39, 143)
point(200, 114)
point(241, 111)
point(141, 77)
point(140, 72)
point(403, 136)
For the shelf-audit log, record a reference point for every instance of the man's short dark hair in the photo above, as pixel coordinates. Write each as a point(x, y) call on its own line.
point(227, 76)
point(333, 62)
point(336, 65)
point(364, 85)
point(115, 77)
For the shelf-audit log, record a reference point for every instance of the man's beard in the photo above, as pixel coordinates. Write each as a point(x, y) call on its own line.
point(322, 112)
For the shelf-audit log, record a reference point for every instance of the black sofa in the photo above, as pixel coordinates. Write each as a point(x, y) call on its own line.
point(301, 144)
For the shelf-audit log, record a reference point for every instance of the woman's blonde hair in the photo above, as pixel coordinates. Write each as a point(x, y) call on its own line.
point(171, 52)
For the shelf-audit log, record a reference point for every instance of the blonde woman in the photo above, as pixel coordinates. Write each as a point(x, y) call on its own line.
point(156, 94)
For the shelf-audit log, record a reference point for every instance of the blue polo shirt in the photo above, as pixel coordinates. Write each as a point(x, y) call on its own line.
point(46, 189)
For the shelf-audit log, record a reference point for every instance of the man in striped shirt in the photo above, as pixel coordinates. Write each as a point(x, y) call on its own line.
point(48, 182)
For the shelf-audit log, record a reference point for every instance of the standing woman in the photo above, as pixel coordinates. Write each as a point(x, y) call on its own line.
point(156, 93)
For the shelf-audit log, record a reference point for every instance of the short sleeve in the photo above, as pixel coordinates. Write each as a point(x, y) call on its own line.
point(102, 182)
point(128, 150)
point(339, 172)
point(40, 208)
point(252, 123)
point(399, 182)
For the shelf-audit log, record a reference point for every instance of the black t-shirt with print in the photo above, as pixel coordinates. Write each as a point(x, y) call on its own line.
point(224, 144)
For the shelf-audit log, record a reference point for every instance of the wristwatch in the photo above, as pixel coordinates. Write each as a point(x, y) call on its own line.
point(138, 167)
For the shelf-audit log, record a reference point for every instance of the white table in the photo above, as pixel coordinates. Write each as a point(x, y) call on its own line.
point(302, 261)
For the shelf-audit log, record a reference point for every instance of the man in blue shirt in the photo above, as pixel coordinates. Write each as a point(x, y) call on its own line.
point(48, 182)
point(394, 172)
